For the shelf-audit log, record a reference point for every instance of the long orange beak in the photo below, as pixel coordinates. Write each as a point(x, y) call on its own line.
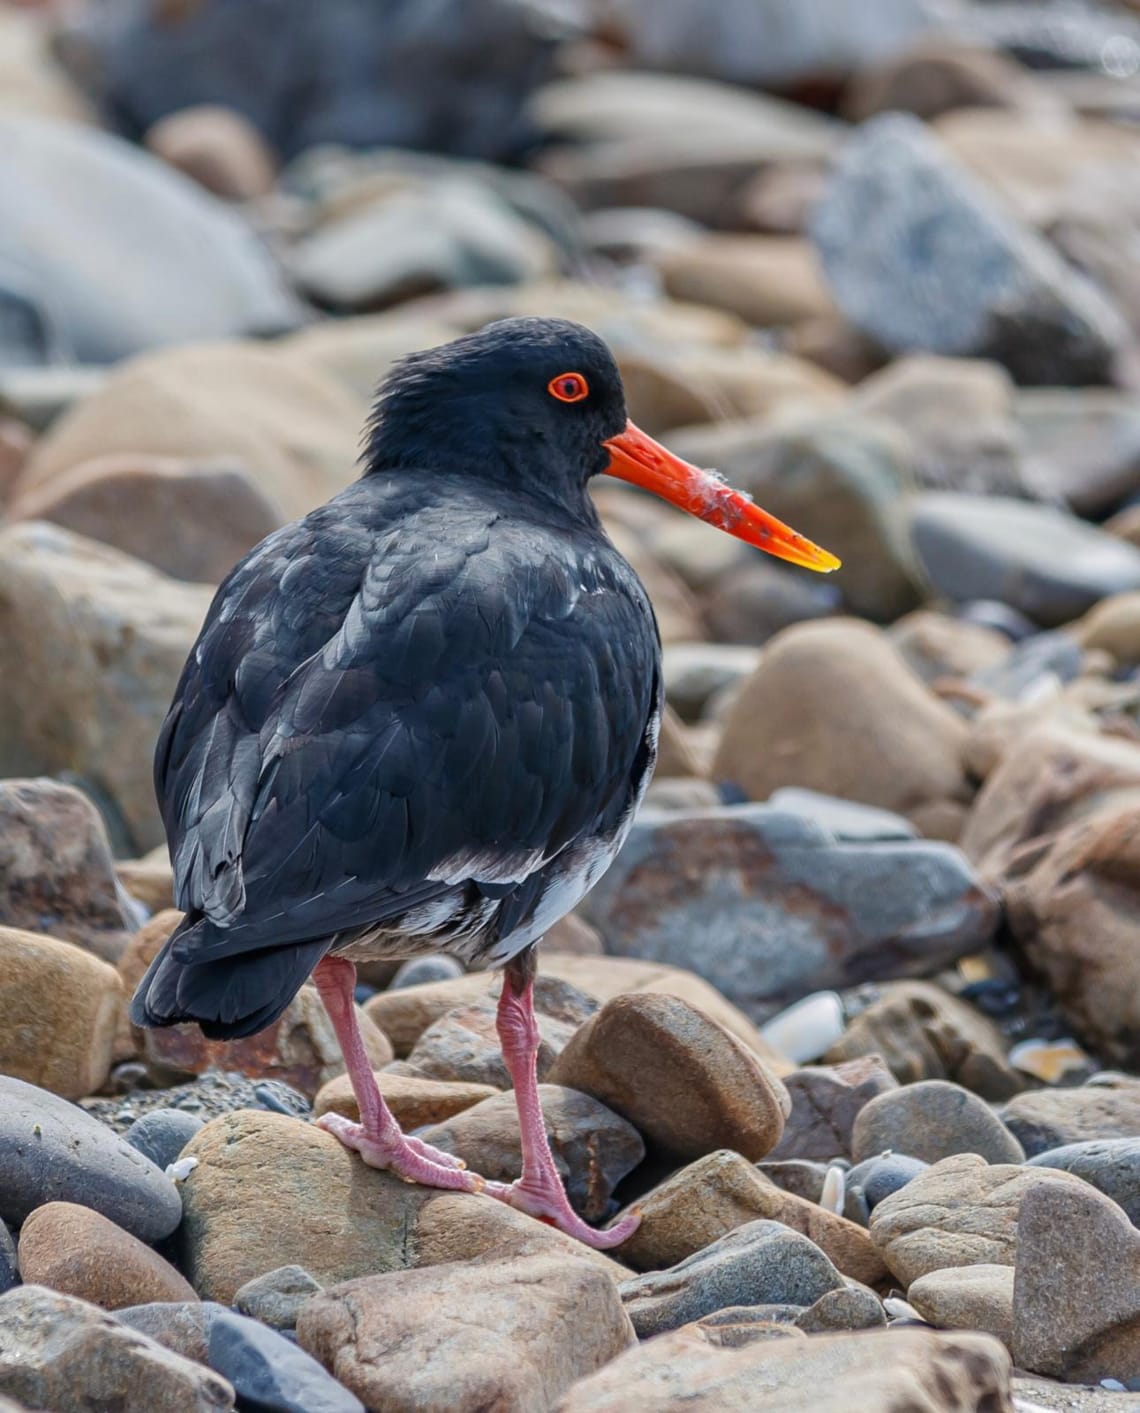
point(636, 457)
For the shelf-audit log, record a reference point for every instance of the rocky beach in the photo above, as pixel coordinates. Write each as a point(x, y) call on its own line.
point(853, 1020)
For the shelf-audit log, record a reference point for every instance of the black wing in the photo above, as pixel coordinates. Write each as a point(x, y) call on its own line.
point(373, 715)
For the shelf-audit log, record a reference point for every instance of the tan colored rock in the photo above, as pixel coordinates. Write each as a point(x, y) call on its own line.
point(936, 646)
point(678, 616)
point(837, 347)
point(192, 520)
point(300, 1048)
point(1075, 911)
point(79, 1252)
point(719, 1193)
point(218, 147)
point(413, 1101)
point(59, 1007)
point(149, 879)
point(923, 1032)
point(291, 427)
point(687, 1085)
point(767, 280)
point(464, 1044)
point(359, 352)
point(405, 1014)
point(999, 726)
point(833, 707)
point(1114, 626)
point(486, 1334)
point(676, 756)
point(961, 1212)
point(574, 936)
point(967, 1298)
point(1076, 1287)
point(59, 1352)
point(91, 646)
point(873, 1372)
point(1049, 778)
point(270, 1191)
point(56, 871)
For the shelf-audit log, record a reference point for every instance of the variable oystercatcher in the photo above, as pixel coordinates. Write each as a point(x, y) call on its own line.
point(422, 718)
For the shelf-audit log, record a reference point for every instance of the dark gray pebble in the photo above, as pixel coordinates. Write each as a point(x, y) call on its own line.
point(277, 1297)
point(270, 1373)
point(162, 1134)
point(9, 1271)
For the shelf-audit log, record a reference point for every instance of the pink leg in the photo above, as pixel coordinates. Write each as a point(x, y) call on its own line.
point(378, 1137)
point(539, 1190)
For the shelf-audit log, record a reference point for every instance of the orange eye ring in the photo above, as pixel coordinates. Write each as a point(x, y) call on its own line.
point(568, 387)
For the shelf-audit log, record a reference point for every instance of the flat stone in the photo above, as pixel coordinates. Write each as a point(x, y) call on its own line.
point(413, 1101)
point(60, 1352)
point(481, 1334)
point(721, 1192)
point(59, 1010)
point(57, 870)
point(1046, 563)
point(962, 1212)
point(923, 1032)
point(767, 907)
point(79, 1252)
point(51, 1151)
point(162, 1134)
point(269, 1190)
point(986, 286)
point(1051, 1118)
point(593, 1148)
point(846, 820)
point(1076, 1303)
point(932, 1120)
point(825, 1105)
point(876, 1372)
point(759, 1263)
point(277, 1297)
point(268, 1371)
point(967, 1298)
point(708, 1091)
point(1111, 1165)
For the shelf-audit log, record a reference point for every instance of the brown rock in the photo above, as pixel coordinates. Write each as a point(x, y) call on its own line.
point(412, 1100)
point(464, 1044)
point(271, 1191)
point(1074, 912)
point(874, 1372)
point(79, 1252)
point(1049, 777)
point(936, 646)
point(191, 519)
point(834, 708)
point(1112, 625)
point(687, 1085)
point(56, 871)
point(938, 75)
point(593, 1148)
point(149, 879)
point(59, 1007)
point(961, 1212)
point(290, 426)
point(1052, 1118)
point(721, 1192)
point(404, 1015)
point(1076, 1302)
point(485, 1334)
point(141, 950)
point(837, 347)
point(767, 280)
point(923, 1032)
point(573, 936)
point(300, 1048)
point(825, 1104)
point(218, 147)
point(675, 757)
point(91, 646)
point(969, 1297)
point(59, 1352)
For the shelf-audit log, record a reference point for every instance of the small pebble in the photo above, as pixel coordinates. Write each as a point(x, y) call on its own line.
point(808, 1029)
point(162, 1134)
point(419, 970)
point(277, 1298)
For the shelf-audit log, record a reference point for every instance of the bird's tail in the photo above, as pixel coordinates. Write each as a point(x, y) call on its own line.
point(229, 997)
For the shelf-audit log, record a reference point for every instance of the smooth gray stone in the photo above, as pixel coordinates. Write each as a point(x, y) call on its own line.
point(162, 1134)
point(1111, 1165)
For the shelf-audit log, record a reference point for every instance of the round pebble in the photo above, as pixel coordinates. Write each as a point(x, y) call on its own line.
point(932, 1120)
point(162, 1134)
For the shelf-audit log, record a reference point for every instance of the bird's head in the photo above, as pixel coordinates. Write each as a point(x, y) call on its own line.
point(540, 402)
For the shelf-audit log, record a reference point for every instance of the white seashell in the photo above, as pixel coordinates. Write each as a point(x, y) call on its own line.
point(899, 1309)
point(1048, 1061)
point(834, 1193)
point(181, 1169)
point(805, 1030)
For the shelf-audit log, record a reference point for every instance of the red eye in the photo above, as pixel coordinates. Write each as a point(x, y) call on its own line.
point(568, 387)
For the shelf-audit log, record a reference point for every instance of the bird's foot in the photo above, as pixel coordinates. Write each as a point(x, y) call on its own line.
point(409, 1158)
point(544, 1197)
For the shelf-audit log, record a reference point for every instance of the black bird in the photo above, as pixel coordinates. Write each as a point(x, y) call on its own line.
point(422, 717)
